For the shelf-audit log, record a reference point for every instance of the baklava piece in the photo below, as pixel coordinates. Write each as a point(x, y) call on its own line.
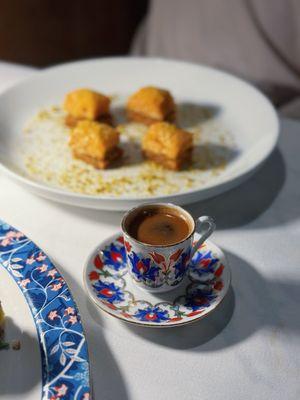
point(167, 145)
point(95, 143)
point(150, 105)
point(85, 104)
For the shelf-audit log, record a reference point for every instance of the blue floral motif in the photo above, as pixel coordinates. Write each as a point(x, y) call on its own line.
point(62, 342)
point(5, 226)
point(142, 268)
point(199, 298)
point(206, 261)
point(82, 373)
point(115, 256)
point(108, 292)
point(181, 265)
point(153, 314)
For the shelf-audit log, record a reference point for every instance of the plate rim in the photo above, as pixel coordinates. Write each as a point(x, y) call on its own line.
point(45, 348)
point(230, 180)
point(141, 324)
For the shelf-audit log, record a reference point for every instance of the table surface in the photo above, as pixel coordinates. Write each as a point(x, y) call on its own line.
point(248, 348)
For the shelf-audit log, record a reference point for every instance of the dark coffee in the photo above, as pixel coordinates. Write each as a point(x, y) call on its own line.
point(159, 226)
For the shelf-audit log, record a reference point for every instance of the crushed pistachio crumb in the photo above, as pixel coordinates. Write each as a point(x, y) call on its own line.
point(47, 158)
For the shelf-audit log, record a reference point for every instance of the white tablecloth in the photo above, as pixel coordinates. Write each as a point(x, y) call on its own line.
point(250, 347)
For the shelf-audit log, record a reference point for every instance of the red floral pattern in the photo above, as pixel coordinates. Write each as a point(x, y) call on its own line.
point(205, 288)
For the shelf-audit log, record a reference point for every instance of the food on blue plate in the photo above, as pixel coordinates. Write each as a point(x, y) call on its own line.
point(167, 145)
point(16, 344)
point(95, 143)
point(3, 345)
point(151, 104)
point(86, 104)
point(2, 319)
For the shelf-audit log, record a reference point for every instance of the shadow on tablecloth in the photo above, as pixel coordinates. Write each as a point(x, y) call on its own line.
point(251, 304)
point(15, 378)
point(248, 201)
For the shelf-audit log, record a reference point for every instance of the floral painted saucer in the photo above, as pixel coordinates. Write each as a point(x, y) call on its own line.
point(112, 289)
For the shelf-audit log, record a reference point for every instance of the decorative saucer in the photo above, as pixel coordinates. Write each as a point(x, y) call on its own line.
point(112, 289)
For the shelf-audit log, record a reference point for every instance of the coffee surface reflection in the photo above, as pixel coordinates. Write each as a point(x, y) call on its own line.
point(159, 227)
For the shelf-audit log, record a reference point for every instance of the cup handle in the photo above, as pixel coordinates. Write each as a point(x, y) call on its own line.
point(204, 227)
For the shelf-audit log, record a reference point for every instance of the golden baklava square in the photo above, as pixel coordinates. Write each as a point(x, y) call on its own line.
point(87, 104)
point(151, 104)
point(167, 145)
point(95, 143)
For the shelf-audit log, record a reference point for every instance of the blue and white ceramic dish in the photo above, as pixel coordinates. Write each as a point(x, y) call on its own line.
point(111, 287)
point(63, 346)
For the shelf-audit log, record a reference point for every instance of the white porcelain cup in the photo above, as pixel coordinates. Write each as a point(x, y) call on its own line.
point(160, 268)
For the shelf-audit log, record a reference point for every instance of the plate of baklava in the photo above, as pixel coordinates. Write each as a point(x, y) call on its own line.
point(113, 133)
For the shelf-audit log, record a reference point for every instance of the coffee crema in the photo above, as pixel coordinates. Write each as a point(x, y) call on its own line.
point(159, 227)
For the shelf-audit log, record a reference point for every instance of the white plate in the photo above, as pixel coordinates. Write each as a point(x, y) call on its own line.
point(242, 110)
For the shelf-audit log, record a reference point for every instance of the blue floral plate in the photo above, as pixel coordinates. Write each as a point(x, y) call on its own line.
point(112, 289)
point(63, 346)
